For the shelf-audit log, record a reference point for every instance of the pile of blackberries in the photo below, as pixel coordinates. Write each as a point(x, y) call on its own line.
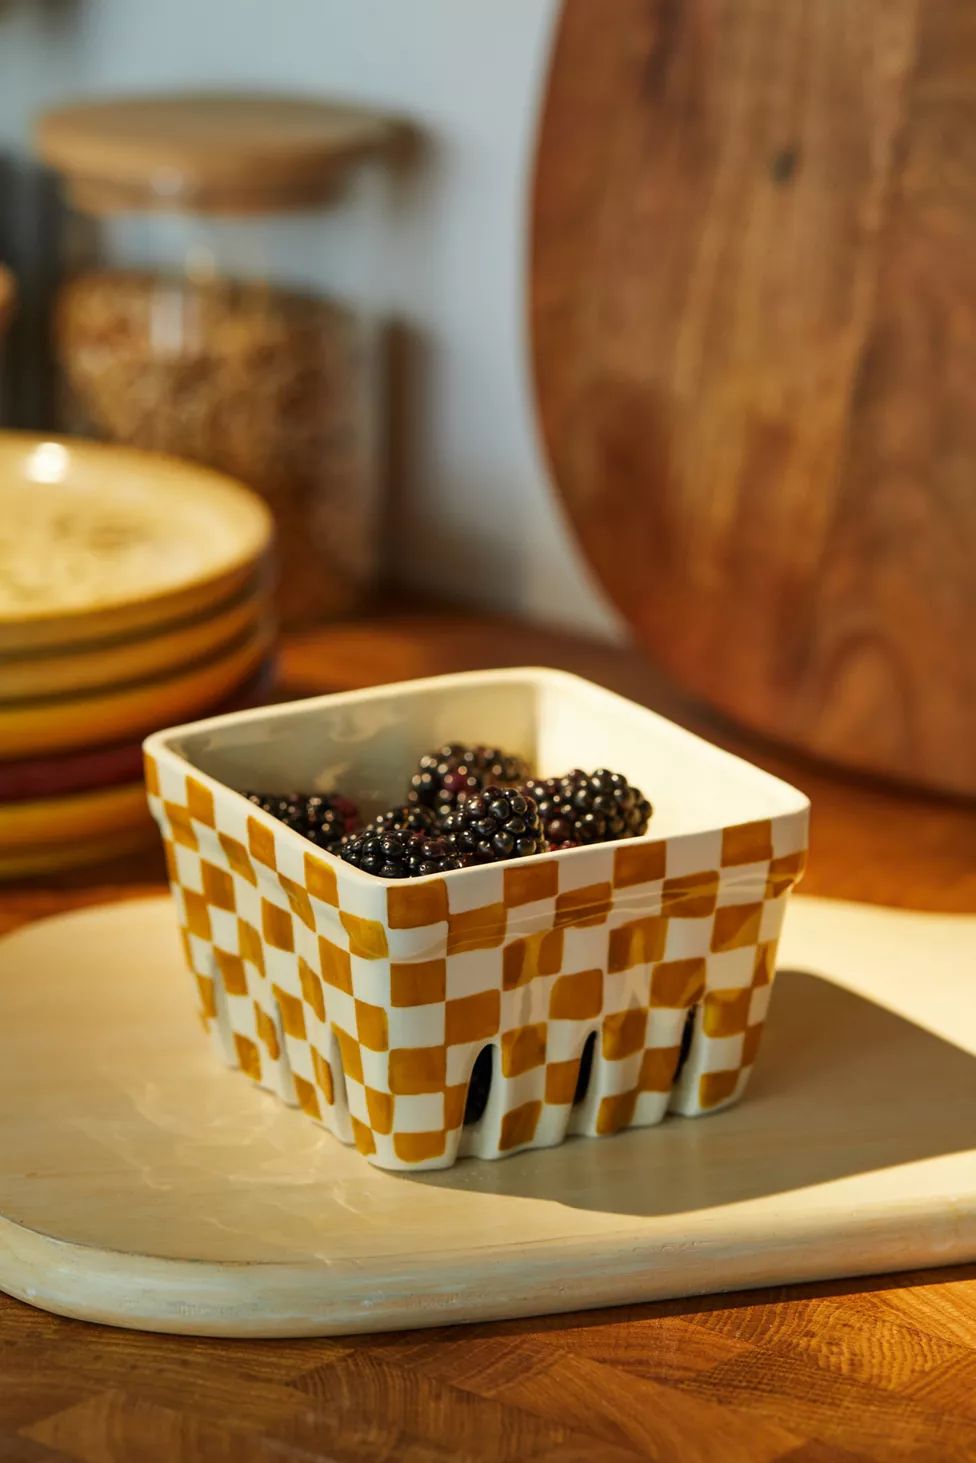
point(465, 806)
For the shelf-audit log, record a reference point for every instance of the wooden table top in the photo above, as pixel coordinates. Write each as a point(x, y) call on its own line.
point(863, 1369)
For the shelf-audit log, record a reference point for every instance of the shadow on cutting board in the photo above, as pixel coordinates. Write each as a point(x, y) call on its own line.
point(841, 1086)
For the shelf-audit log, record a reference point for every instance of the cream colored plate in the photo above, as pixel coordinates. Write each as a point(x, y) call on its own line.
point(97, 539)
point(141, 1184)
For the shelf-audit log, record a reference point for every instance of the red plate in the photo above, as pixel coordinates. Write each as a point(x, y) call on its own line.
point(93, 767)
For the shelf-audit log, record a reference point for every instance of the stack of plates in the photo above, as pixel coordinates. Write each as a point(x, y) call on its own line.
point(134, 592)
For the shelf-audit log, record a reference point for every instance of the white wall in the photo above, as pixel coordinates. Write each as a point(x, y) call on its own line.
point(476, 518)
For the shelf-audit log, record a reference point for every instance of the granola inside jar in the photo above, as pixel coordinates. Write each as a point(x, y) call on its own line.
point(196, 315)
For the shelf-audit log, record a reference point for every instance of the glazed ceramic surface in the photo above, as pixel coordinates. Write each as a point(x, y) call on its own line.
point(52, 723)
point(105, 664)
point(367, 1001)
point(31, 778)
point(95, 540)
point(87, 768)
point(85, 815)
point(74, 853)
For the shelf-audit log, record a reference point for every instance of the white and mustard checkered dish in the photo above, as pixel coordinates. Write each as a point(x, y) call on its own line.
point(366, 1001)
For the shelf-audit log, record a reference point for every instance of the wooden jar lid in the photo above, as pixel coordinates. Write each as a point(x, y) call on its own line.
point(214, 152)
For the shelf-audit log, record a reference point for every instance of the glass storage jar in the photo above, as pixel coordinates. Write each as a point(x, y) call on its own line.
point(7, 298)
point(219, 302)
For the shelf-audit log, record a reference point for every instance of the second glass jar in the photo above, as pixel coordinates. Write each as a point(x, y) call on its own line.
point(206, 333)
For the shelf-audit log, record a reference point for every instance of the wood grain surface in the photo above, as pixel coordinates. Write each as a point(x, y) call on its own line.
point(845, 1371)
point(241, 153)
point(753, 311)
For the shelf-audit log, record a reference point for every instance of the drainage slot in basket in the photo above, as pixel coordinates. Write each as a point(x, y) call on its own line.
point(479, 1086)
point(281, 1055)
point(224, 1027)
point(585, 1069)
point(339, 1098)
point(687, 1032)
point(272, 1029)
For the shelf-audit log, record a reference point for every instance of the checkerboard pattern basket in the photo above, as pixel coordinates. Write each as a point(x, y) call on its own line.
point(366, 1002)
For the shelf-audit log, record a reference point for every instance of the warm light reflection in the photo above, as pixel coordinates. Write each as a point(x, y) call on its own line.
point(48, 463)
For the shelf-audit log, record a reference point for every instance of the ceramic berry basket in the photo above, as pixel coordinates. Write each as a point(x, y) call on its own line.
point(366, 1001)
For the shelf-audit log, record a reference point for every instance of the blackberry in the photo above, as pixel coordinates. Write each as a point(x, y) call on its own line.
point(325, 813)
point(448, 777)
point(497, 823)
point(323, 818)
point(555, 813)
point(401, 853)
point(589, 807)
point(412, 816)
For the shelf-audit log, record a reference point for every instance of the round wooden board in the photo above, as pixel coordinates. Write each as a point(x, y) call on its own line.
point(753, 310)
point(144, 1185)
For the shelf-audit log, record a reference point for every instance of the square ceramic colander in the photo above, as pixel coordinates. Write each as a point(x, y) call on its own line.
point(613, 983)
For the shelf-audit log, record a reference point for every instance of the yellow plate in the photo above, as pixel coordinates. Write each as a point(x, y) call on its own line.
point(57, 723)
point(85, 815)
point(74, 854)
point(96, 540)
point(108, 664)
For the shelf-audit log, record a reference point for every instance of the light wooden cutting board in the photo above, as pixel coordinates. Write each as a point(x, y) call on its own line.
point(143, 1185)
